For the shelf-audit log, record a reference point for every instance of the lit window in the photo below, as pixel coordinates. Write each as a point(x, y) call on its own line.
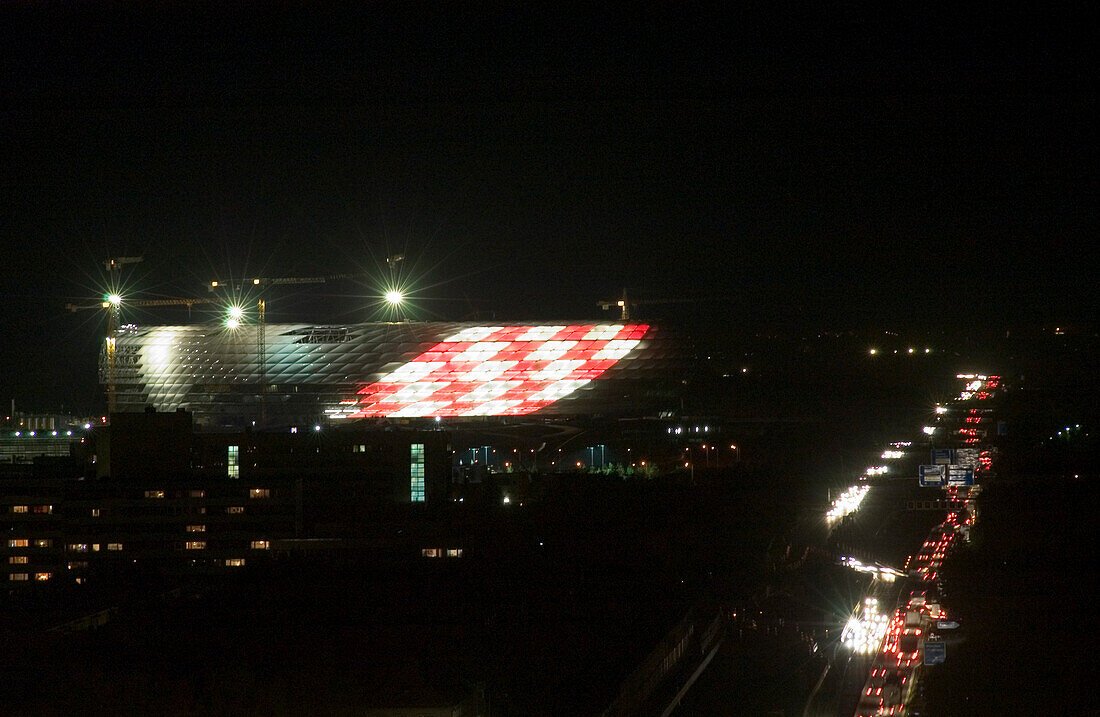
point(196, 494)
point(196, 529)
point(232, 462)
point(77, 564)
point(43, 543)
point(431, 552)
point(454, 552)
point(234, 562)
point(195, 545)
point(19, 577)
point(78, 547)
point(19, 509)
point(95, 512)
point(234, 509)
point(18, 542)
point(416, 473)
point(95, 547)
point(18, 559)
point(259, 493)
point(261, 544)
point(154, 494)
point(42, 509)
point(43, 576)
point(114, 546)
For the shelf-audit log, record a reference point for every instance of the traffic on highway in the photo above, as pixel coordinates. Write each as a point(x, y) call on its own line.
point(894, 631)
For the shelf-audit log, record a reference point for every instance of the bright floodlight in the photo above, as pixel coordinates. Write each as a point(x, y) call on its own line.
point(233, 324)
point(235, 312)
point(114, 299)
point(394, 297)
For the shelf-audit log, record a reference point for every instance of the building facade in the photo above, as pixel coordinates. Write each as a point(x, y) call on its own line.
point(300, 374)
point(149, 490)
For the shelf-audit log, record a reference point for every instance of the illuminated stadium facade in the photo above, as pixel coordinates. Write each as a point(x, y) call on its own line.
point(312, 373)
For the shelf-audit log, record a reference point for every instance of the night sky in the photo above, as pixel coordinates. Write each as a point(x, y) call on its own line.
point(850, 167)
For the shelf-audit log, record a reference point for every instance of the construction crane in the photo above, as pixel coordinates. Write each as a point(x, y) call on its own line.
point(625, 303)
point(118, 262)
point(113, 304)
point(261, 284)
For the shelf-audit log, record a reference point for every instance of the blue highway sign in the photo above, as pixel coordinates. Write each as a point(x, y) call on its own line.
point(932, 476)
point(960, 475)
point(935, 652)
point(943, 456)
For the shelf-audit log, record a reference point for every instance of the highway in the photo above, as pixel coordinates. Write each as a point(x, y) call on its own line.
point(876, 665)
point(840, 626)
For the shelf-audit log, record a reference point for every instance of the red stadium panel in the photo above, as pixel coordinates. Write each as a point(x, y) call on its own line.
point(499, 370)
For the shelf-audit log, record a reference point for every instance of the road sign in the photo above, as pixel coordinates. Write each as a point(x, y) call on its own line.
point(935, 652)
point(932, 476)
point(967, 457)
point(960, 475)
point(943, 456)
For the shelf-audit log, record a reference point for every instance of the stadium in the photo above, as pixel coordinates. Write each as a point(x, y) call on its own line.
point(294, 374)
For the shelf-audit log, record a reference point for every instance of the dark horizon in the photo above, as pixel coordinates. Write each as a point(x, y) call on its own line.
point(906, 169)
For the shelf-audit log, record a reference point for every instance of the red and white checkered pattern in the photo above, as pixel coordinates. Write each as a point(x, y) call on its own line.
point(499, 370)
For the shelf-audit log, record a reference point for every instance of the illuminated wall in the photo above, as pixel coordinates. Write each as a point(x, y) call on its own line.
point(499, 370)
point(381, 370)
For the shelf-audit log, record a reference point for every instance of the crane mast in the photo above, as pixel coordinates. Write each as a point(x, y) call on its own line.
point(113, 304)
point(625, 303)
point(261, 284)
